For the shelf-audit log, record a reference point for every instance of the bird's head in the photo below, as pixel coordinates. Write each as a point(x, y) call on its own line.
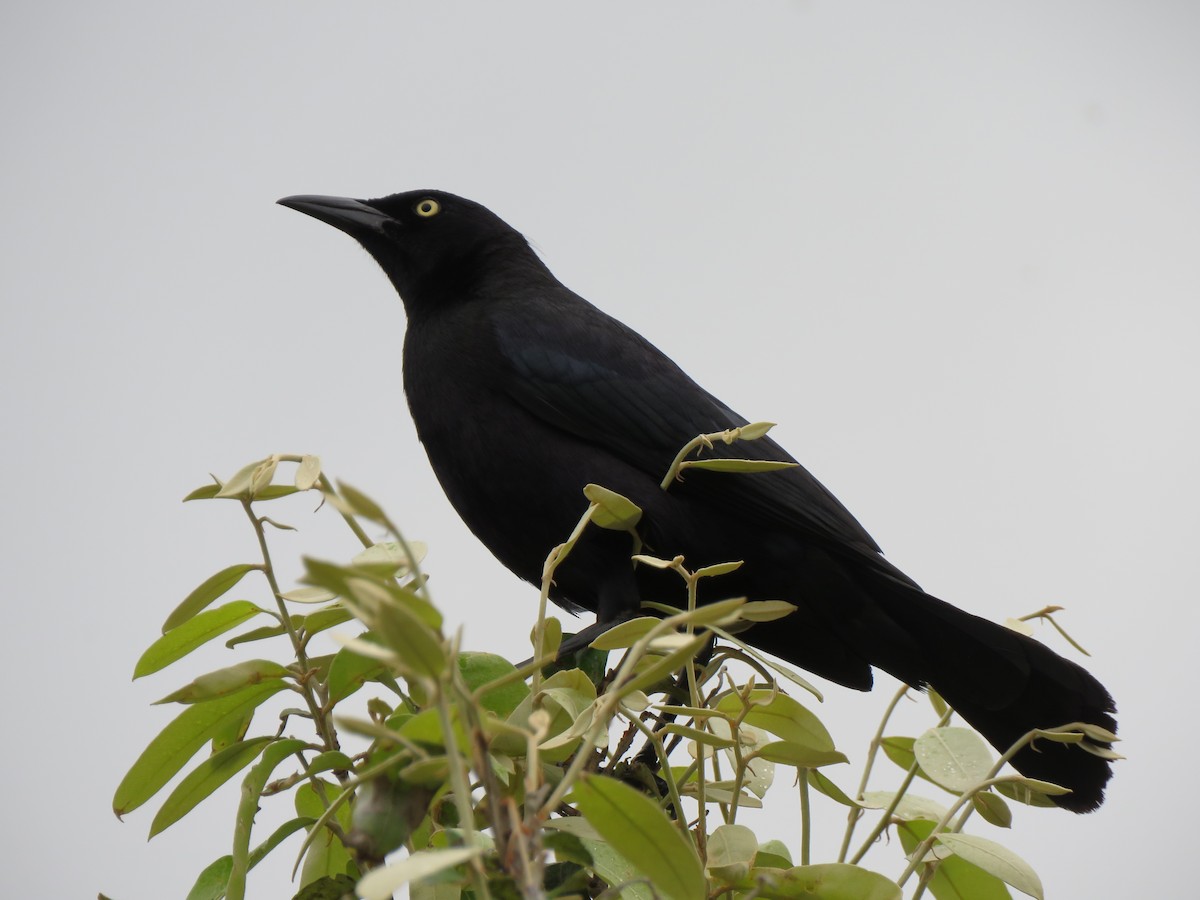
point(433, 246)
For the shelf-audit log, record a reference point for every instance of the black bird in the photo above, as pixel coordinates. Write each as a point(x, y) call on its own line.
point(523, 392)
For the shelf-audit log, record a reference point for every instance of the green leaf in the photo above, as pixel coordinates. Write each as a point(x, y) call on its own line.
point(211, 883)
point(361, 504)
point(481, 669)
point(278, 836)
point(254, 634)
point(954, 878)
point(637, 828)
point(349, 671)
point(993, 809)
point(204, 492)
point(754, 431)
point(612, 510)
point(607, 863)
point(731, 851)
point(323, 619)
point(954, 758)
point(701, 737)
point(766, 610)
point(995, 859)
point(326, 856)
point(179, 741)
point(229, 680)
point(330, 759)
point(380, 884)
point(910, 806)
point(802, 757)
point(718, 569)
point(1022, 793)
point(195, 632)
point(252, 788)
point(829, 789)
point(231, 732)
point(309, 595)
point(663, 666)
point(389, 558)
point(900, 751)
point(274, 492)
point(418, 648)
point(749, 466)
point(625, 634)
point(1042, 787)
point(206, 778)
point(782, 716)
point(655, 562)
point(829, 881)
point(936, 701)
point(212, 588)
point(773, 855)
point(719, 612)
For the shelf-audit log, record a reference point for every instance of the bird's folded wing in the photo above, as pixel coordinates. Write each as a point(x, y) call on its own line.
point(625, 396)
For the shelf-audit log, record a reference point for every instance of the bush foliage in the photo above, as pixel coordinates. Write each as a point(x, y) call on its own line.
point(619, 772)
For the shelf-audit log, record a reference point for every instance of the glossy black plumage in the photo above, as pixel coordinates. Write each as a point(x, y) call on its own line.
point(523, 392)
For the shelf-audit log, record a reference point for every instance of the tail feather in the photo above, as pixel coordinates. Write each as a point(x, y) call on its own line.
point(1004, 684)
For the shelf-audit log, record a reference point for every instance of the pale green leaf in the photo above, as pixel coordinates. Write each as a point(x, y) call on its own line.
point(613, 511)
point(766, 610)
point(748, 466)
point(239, 483)
point(380, 884)
point(955, 758)
point(910, 806)
point(309, 595)
point(731, 851)
point(625, 634)
point(308, 472)
point(754, 431)
point(718, 569)
point(953, 878)
point(390, 557)
point(995, 859)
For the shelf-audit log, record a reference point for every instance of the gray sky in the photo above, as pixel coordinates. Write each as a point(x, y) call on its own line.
point(951, 250)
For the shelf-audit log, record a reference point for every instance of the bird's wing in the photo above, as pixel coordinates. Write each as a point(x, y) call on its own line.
point(598, 380)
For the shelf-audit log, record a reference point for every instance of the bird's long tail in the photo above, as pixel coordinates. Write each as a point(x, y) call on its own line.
point(1002, 683)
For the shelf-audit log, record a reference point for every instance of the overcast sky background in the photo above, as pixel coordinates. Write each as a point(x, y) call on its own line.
point(953, 249)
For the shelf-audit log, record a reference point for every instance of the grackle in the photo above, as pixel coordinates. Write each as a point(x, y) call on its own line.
point(523, 392)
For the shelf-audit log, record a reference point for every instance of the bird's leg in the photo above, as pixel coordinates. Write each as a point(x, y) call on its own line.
point(618, 602)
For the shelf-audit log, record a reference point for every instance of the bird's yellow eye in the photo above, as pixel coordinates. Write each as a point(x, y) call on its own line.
point(428, 207)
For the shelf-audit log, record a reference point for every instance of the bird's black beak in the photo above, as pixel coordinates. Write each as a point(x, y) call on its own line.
point(351, 216)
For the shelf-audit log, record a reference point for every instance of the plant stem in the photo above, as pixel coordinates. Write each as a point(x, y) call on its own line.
point(872, 751)
point(805, 817)
point(311, 698)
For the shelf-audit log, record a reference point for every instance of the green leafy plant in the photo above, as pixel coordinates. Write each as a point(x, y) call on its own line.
point(620, 772)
